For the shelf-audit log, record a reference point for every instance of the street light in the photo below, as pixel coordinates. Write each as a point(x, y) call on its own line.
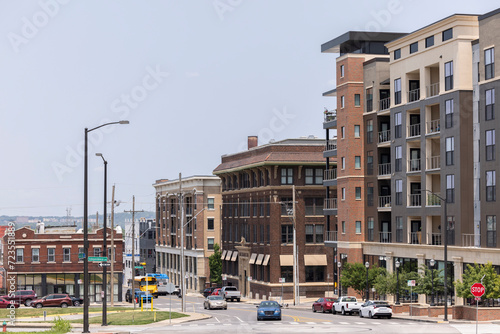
point(339, 265)
point(85, 228)
point(432, 262)
point(104, 244)
point(367, 265)
point(397, 282)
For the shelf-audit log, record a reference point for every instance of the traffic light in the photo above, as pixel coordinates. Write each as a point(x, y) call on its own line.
point(143, 263)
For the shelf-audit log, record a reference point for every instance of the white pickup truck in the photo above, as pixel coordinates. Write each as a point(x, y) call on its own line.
point(346, 305)
point(230, 292)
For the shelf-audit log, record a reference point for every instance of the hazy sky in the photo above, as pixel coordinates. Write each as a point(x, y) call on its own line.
point(193, 77)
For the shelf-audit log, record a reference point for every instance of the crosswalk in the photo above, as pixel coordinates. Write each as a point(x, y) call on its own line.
point(296, 323)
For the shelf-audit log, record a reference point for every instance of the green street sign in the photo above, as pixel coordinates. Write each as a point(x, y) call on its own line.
point(98, 258)
point(139, 267)
point(81, 255)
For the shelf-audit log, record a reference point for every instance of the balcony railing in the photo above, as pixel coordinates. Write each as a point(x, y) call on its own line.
point(414, 95)
point(470, 240)
point(434, 162)
point(385, 237)
point(414, 165)
point(384, 169)
point(414, 130)
point(330, 115)
point(330, 203)
point(415, 238)
point(384, 136)
point(433, 200)
point(384, 201)
point(435, 239)
point(385, 103)
point(330, 145)
point(433, 89)
point(331, 236)
point(415, 200)
point(433, 126)
point(330, 174)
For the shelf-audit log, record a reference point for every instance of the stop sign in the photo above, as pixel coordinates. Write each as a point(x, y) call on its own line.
point(477, 289)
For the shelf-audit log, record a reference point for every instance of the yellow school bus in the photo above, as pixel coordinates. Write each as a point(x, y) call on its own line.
point(147, 283)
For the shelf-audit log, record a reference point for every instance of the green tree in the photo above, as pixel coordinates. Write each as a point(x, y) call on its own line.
point(215, 264)
point(425, 279)
point(474, 274)
point(387, 283)
point(354, 276)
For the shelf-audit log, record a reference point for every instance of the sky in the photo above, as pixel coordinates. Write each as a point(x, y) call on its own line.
point(193, 77)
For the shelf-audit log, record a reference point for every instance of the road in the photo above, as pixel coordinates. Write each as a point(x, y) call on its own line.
point(242, 318)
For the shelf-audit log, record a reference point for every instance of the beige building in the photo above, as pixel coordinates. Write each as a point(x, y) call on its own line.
point(201, 198)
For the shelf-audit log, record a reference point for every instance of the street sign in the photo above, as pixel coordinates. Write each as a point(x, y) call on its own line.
point(477, 298)
point(224, 277)
point(411, 282)
point(98, 258)
point(477, 289)
point(139, 267)
point(81, 255)
point(170, 288)
point(249, 278)
point(281, 280)
point(105, 264)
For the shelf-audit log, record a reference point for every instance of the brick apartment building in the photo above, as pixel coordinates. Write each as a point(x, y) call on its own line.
point(257, 225)
point(202, 205)
point(47, 261)
point(424, 128)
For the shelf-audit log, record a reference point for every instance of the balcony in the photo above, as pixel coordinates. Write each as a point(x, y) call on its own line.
point(414, 95)
point(384, 136)
point(385, 237)
point(385, 104)
point(432, 127)
point(433, 200)
point(434, 162)
point(330, 207)
point(330, 148)
point(330, 119)
point(331, 236)
point(470, 240)
point(435, 239)
point(384, 169)
point(414, 165)
point(415, 238)
point(384, 203)
point(330, 177)
point(433, 89)
point(415, 200)
point(414, 130)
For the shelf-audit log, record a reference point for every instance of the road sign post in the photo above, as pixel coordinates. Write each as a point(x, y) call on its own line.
point(477, 290)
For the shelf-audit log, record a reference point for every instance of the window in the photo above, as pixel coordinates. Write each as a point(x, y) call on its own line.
point(286, 176)
point(369, 131)
point(370, 227)
point(210, 223)
point(397, 125)
point(286, 234)
point(343, 227)
point(448, 75)
point(399, 229)
point(314, 234)
point(358, 192)
point(67, 254)
point(491, 186)
point(343, 194)
point(342, 71)
point(489, 63)
point(398, 159)
point(314, 206)
point(369, 194)
point(429, 41)
point(413, 47)
point(369, 162)
point(342, 132)
point(448, 107)
point(399, 192)
point(490, 145)
point(314, 176)
point(450, 149)
point(369, 99)
point(357, 100)
point(342, 101)
point(343, 162)
point(356, 131)
point(35, 255)
point(447, 34)
point(51, 254)
point(358, 227)
point(210, 203)
point(97, 251)
point(286, 206)
point(490, 104)
point(450, 188)
point(397, 54)
point(397, 91)
point(210, 243)
point(491, 231)
point(357, 162)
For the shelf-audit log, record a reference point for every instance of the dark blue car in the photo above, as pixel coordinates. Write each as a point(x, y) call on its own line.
point(268, 310)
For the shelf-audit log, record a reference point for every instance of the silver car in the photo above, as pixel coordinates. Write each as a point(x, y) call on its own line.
point(212, 302)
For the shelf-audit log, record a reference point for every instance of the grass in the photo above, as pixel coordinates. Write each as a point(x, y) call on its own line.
point(140, 318)
point(38, 312)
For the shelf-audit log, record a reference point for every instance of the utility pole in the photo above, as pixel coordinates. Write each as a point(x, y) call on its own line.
point(133, 246)
point(112, 280)
point(295, 264)
point(183, 287)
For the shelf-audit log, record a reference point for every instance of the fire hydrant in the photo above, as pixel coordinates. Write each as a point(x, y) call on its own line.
point(5, 326)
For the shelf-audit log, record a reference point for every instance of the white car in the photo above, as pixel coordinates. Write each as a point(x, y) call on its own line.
point(212, 302)
point(375, 308)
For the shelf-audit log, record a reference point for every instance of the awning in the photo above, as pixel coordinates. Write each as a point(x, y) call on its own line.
point(266, 260)
point(223, 256)
point(315, 260)
point(286, 260)
point(235, 256)
point(252, 258)
point(228, 255)
point(259, 259)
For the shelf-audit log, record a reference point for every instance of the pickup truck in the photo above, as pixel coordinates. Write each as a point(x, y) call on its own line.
point(230, 292)
point(346, 305)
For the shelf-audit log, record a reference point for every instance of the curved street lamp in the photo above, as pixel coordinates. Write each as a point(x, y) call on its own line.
point(432, 262)
point(367, 265)
point(339, 265)
point(397, 282)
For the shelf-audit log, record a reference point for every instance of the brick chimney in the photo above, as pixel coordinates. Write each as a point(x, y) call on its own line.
point(253, 141)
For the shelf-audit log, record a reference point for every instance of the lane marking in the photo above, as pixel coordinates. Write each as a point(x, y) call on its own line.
point(341, 322)
point(234, 316)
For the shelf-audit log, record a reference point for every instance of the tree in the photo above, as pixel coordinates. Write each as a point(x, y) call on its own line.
point(354, 276)
point(387, 283)
point(215, 264)
point(474, 274)
point(424, 281)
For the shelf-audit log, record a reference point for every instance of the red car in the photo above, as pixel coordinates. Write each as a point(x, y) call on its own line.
point(6, 303)
point(216, 292)
point(323, 305)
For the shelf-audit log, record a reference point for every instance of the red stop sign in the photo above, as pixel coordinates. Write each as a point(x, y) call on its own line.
point(477, 289)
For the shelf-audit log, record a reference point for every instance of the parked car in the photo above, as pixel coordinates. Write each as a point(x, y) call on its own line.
point(77, 301)
point(212, 302)
point(216, 292)
point(144, 296)
point(377, 308)
point(323, 305)
point(128, 295)
point(208, 291)
point(268, 309)
point(21, 296)
point(55, 299)
point(346, 305)
point(4, 303)
point(230, 292)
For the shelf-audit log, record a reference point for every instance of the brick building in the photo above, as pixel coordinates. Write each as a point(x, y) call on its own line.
point(257, 224)
point(48, 261)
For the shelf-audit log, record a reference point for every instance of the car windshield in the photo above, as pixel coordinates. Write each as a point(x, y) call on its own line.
point(215, 298)
point(329, 300)
point(380, 303)
point(269, 304)
point(352, 300)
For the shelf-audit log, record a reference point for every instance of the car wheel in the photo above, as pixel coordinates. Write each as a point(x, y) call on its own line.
point(64, 305)
point(39, 305)
point(27, 302)
point(322, 309)
point(238, 300)
point(370, 315)
point(225, 308)
point(388, 317)
point(333, 310)
point(76, 303)
point(313, 309)
point(343, 311)
point(360, 314)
